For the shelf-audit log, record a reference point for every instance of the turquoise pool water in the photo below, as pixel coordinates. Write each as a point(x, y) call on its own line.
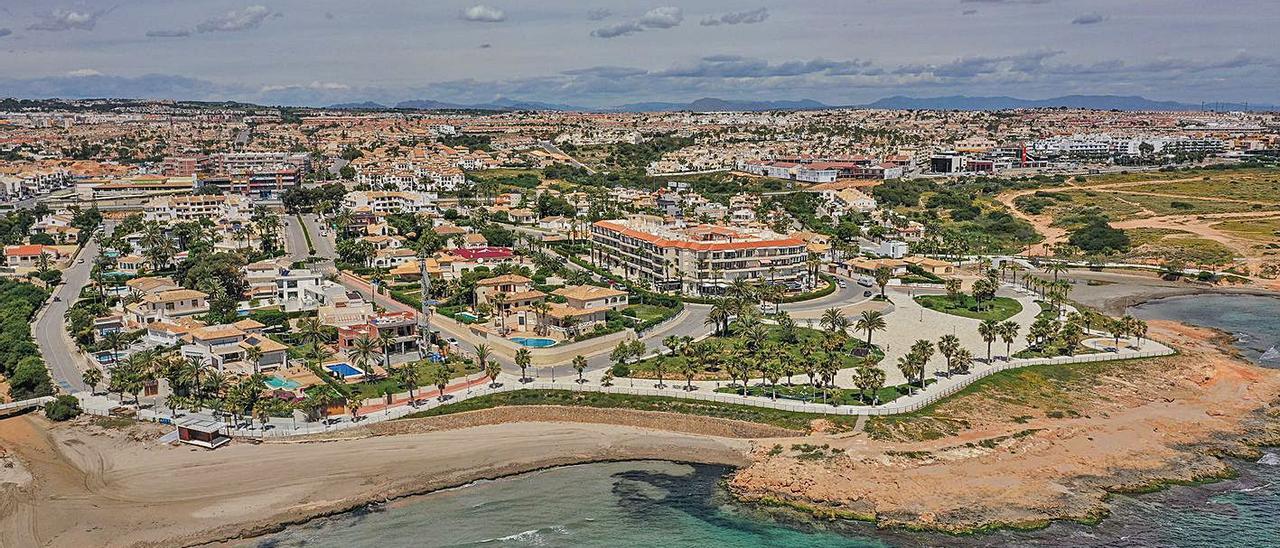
point(278, 383)
point(343, 370)
point(534, 342)
point(466, 317)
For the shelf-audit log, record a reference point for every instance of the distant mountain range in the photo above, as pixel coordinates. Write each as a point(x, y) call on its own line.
point(954, 102)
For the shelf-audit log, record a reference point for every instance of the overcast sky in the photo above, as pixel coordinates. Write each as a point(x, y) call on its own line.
point(599, 53)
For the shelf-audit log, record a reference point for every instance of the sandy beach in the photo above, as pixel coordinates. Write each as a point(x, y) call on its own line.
point(108, 490)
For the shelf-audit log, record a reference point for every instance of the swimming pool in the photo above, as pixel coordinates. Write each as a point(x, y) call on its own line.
point(343, 370)
point(278, 383)
point(466, 317)
point(108, 358)
point(533, 343)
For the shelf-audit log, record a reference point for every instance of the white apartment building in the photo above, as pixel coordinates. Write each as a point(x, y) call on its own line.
point(215, 207)
point(698, 259)
point(390, 202)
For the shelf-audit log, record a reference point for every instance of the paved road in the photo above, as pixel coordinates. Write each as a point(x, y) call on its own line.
point(553, 149)
point(57, 349)
point(296, 241)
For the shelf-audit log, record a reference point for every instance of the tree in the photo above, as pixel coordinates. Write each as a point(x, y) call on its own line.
point(692, 364)
point(924, 351)
point(1055, 268)
point(1008, 331)
point(409, 377)
point(989, 330)
point(1138, 328)
point(92, 376)
point(953, 289)
point(949, 346)
point(772, 372)
point(833, 320)
point(253, 355)
point(882, 276)
point(868, 377)
point(523, 359)
point(1118, 328)
point(580, 366)
point(910, 367)
point(870, 321)
point(483, 352)
point(962, 359)
point(362, 350)
point(492, 370)
point(441, 379)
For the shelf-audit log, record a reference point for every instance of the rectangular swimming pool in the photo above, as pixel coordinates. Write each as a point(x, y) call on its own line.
point(343, 370)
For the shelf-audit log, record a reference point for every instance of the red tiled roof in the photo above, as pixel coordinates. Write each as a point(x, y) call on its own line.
point(483, 253)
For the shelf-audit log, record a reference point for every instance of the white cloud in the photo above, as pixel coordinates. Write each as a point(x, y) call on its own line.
point(662, 18)
point(81, 73)
point(737, 18)
point(236, 20)
point(657, 18)
point(68, 19)
point(481, 13)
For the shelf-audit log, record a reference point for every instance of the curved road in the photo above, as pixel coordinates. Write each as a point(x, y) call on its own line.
point(56, 347)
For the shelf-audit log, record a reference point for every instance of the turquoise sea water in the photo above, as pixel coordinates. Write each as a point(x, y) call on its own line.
point(1253, 320)
point(641, 504)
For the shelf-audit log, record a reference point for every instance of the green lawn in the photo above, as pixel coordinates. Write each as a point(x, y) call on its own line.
point(807, 392)
point(1000, 309)
point(648, 312)
point(807, 338)
point(426, 378)
point(784, 419)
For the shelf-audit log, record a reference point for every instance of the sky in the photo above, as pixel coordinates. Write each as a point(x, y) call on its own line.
point(599, 53)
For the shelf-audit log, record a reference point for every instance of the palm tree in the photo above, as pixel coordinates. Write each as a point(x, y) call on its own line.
point(1118, 328)
point(909, 365)
point(253, 355)
point(870, 321)
point(1138, 328)
point(1008, 331)
point(868, 377)
point(772, 371)
point(354, 407)
point(833, 320)
point(962, 359)
point(882, 276)
point(441, 379)
point(1055, 268)
point(692, 364)
point(409, 376)
point(523, 359)
point(580, 366)
point(948, 346)
point(384, 341)
point(92, 376)
point(492, 370)
point(499, 302)
point(483, 352)
point(923, 350)
point(541, 309)
point(989, 329)
point(362, 350)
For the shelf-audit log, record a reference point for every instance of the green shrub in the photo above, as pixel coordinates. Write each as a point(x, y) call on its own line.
point(620, 370)
point(63, 408)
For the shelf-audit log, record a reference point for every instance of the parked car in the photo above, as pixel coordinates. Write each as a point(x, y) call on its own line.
point(866, 293)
